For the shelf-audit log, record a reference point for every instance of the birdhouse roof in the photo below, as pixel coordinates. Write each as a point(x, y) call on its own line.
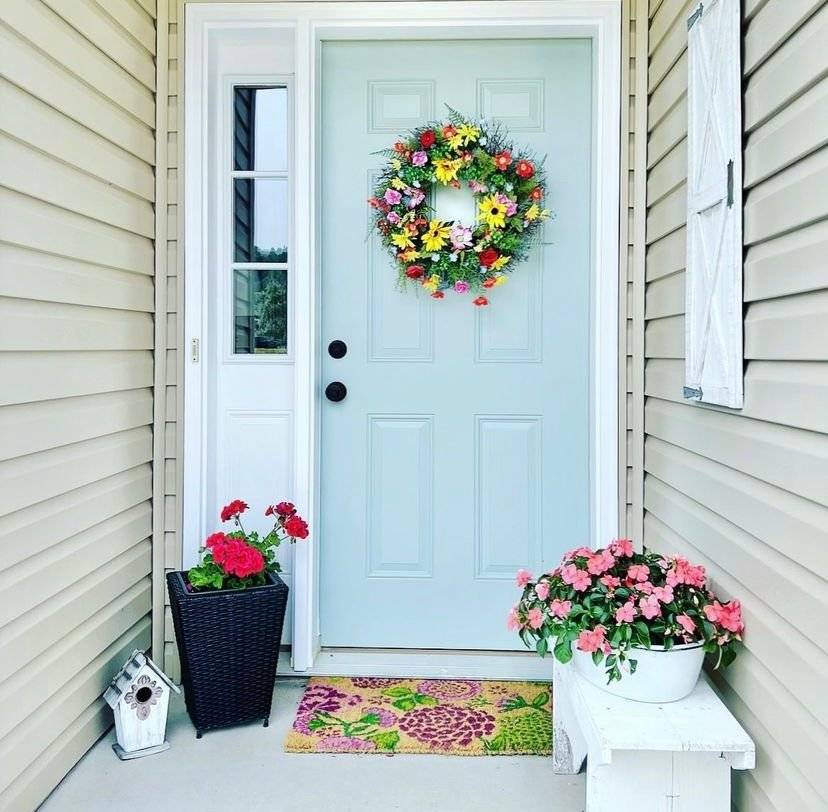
point(120, 682)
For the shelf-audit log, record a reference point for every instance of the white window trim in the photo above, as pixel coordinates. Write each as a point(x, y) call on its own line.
point(313, 22)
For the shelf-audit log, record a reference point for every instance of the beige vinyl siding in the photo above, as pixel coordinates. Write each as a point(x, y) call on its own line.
point(77, 261)
point(746, 492)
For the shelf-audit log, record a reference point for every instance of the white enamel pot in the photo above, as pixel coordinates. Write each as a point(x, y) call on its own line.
point(661, 676)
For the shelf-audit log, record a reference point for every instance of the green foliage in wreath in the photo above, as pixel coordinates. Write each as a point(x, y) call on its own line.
point(508, 187)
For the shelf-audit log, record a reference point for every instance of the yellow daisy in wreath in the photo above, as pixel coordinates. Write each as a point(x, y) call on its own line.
point(436, 235)
point(499, 263)
point(468, 133)
point(492, 212)
point(402, 240)
point(445, 169)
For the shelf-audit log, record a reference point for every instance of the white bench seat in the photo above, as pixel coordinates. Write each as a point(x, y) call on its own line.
point(672, 757)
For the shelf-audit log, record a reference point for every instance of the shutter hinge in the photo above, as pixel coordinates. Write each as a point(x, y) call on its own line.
point(730, 183)
point(693, 18)
point(194, 350)
point(692, 393)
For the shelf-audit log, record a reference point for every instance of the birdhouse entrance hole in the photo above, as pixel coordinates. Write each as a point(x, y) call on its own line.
point(143, 694)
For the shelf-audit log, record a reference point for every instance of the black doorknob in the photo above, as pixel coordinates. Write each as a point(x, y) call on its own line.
point(336, 391)
point(337, 349)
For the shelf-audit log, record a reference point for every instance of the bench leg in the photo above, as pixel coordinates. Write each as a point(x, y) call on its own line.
point(659, 782)
point(568, 744)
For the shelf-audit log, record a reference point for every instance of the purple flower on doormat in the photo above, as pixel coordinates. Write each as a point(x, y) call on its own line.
point(320, 698)
point(374, 682)
point(448, 689)
point(384, 717)
point(345, 744)
point(447, 726)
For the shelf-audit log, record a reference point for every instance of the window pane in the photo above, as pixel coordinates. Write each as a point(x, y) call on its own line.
point(260, 128)
point(260, 310)
point(260, 217)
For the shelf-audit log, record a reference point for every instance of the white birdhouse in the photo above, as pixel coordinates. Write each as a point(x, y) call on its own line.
point(139, 696)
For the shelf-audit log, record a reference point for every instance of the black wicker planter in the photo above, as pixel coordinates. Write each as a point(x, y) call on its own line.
point(228, 642)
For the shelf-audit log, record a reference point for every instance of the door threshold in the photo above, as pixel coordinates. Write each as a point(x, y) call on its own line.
point(444, 664)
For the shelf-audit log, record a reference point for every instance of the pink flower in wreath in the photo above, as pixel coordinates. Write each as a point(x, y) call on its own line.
point(460, 286)
point(419, 158)
point(416, 196)
point(477, 187)
point(542, 590)
point(578, 579)
point(393, 217)
point(392, 197)
point(534, 617)
point(523, 577)
point(559, 608)
point(450, 689)
point(461, 237)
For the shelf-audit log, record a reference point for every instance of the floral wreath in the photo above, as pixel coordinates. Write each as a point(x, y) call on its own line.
point(450, 255)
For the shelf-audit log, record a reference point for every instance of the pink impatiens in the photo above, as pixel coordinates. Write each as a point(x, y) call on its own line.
point(612, 601)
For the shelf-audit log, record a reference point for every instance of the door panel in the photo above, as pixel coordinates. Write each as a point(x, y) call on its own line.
point(461, 451)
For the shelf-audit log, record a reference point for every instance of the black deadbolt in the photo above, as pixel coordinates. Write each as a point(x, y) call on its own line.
point(336, 391)
point(337, 349)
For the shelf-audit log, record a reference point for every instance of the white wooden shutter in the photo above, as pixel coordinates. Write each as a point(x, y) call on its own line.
point(713, 321)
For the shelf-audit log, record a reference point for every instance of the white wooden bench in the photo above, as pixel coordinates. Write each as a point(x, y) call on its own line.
point(674, 757)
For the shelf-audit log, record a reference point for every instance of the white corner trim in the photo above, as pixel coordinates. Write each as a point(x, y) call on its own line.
point(313, 22)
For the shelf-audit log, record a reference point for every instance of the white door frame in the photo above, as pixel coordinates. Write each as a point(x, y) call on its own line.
point(313, 23)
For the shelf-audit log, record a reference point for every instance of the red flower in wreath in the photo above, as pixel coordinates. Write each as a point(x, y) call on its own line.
point(488, 257)
point(525, 169)
point(399, 147)
point(438, 294)
point(536, 194)
point(427, 139)
point(489, 282)
point(296, 527)
point(449, 131)
point(503, 160)
point(481, 301)
point(233, 510)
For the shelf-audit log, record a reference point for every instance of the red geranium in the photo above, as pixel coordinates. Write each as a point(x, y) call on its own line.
point(488, 257)
point(525, 169)
point(296, 527)
point(233, 510)
point(215, 539)
point(481, 301)
point(414, 271)
point(241, 559)
point(427, 139)
point(282, 509)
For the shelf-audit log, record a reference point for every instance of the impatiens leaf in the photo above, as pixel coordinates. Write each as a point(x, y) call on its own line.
point(563, 651)
point(542, 647)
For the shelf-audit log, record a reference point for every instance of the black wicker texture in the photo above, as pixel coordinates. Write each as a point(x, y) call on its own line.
point(228, 642)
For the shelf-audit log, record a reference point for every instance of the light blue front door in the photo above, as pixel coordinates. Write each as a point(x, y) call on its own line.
point(461, 450)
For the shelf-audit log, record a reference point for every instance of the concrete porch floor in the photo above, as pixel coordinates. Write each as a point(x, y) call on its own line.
point(245, 769)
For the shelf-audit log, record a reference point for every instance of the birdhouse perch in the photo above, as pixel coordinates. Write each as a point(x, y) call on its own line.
point(139, 696)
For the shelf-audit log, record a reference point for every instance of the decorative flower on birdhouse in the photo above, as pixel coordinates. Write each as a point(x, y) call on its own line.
point(142, 695)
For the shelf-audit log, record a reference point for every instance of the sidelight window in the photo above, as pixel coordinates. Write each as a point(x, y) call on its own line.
point(261, 220)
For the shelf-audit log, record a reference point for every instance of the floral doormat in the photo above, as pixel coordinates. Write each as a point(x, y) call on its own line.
point(450, 717)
